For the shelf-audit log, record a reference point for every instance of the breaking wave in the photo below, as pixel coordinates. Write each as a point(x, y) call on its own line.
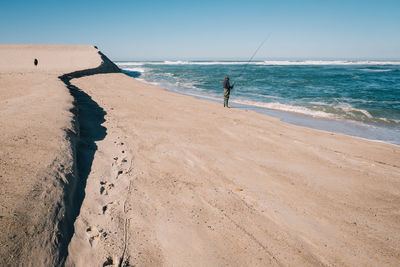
point(326, 62)
point(141, 70)
point(286, 107)
point(266, 63)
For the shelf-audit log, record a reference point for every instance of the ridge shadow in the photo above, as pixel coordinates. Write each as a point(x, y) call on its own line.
point(89, 117)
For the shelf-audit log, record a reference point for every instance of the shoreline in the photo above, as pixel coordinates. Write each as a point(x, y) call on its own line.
point(350, 128)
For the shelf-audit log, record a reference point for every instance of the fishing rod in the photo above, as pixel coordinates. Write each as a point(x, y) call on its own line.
point(251, 58)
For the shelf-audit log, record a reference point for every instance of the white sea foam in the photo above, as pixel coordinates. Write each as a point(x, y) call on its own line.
point(285, 107)
point(266, 62)
point(185, 85)
point(390, 120)
point(376, 70)
point(347, 108)
point(319, 103)
point(141, 70)
point(368, 101)
point(179, 62)
point(324, 62)
point(129, 63)
point(201, 63)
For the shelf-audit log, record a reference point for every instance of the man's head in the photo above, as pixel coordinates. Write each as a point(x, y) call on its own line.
point(226, 78)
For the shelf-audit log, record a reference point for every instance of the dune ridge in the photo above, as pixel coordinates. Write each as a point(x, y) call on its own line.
point(39, 141)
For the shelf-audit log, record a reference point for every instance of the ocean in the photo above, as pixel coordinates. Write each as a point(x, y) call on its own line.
point(357, 98)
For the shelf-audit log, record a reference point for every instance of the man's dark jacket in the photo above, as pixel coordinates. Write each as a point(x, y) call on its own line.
point(227, 85)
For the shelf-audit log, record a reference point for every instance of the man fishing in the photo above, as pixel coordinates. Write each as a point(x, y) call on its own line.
point(227, 86)
point(227, 91)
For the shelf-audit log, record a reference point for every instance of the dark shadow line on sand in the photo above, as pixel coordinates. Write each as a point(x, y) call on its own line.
point(89, 117)
point(132, 73)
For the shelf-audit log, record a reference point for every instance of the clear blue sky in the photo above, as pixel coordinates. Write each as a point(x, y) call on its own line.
point(173, 29)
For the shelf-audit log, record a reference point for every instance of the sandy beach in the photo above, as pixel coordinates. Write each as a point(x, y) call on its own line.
point(100, 169)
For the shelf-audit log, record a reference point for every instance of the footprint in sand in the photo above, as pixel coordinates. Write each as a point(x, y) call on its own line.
point(105, 207)
point(109, 261)
point(102, 187)
point(93, 235)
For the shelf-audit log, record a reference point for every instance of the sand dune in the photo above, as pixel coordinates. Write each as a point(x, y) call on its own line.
point(176, 181)
point(37, 156)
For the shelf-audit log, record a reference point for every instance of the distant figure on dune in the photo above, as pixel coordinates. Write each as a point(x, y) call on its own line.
point(227, 91)
point(35, 62)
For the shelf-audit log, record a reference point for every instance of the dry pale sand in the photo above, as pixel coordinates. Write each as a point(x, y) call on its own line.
point(178, 181)
point(36, 152)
